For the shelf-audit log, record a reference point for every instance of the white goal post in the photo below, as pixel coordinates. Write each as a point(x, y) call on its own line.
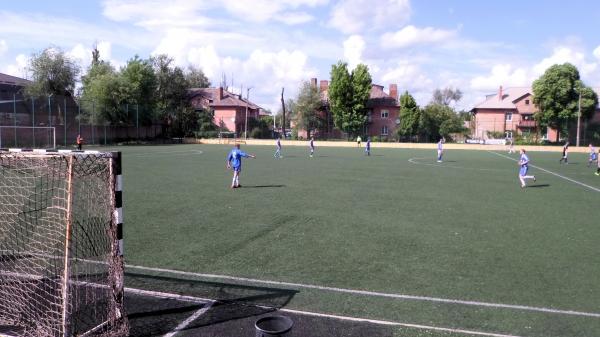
point(31, 137)
point(61, 243)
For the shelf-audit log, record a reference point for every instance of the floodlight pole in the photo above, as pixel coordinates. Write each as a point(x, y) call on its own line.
point(578, 118)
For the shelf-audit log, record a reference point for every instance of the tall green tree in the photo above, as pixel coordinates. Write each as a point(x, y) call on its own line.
point(410, 115)
point(53, 73)
point(196, 77)
point(348, 96)
point(140, 74)
point(306, 108)
point(556, 93)
point(438, 121)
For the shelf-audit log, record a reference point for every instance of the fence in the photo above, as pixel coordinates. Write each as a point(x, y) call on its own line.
point(25, 122)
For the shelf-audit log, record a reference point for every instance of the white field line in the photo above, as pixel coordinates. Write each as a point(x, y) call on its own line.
point(552, 173)
point(190, 319)
point(390, 323)
point(416, 162)
point(374, 293)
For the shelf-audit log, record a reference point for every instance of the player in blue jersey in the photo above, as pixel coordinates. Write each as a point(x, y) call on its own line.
point(440, 149)
point(278, 148)
point(593, 155)
point(368, 147)
point(524, 164)
point(234, 161)
point(311, 144)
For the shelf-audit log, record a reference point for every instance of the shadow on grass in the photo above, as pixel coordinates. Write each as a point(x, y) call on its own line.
point(262, 186)
point(538, 186)
point(154, 315)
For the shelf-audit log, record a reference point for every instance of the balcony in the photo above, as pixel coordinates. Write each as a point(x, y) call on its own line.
point(527, 124)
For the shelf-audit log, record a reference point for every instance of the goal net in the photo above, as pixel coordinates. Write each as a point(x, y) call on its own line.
point(61, 262)
point(40, 137)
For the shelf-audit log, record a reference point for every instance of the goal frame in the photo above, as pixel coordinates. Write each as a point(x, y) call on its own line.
point(32, 128)
point(116, 224)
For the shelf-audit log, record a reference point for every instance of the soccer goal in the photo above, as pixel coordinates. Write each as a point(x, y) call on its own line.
point(61, 248)
point(41, 137)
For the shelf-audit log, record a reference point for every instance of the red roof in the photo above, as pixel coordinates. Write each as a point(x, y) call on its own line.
point(229, 99)
point(378, 97)
point(8, 79)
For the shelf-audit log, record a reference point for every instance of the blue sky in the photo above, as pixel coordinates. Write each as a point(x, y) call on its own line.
point(268, 44)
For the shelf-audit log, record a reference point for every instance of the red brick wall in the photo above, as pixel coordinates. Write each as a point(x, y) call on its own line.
point(377, 122)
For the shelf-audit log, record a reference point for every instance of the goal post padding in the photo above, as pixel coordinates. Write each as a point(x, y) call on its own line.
point(61, 248)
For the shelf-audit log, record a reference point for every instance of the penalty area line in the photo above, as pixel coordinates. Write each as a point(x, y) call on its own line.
point(190, 319)
point(552, 173)
point(373, 293)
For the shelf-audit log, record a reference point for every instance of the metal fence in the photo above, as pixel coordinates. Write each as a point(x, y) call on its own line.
point(24, 122)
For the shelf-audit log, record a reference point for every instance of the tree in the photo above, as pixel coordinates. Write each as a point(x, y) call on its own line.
point(53, 73)
point(348, 96)
point(305, 109)
point(142, 80)
point(446, 96)
point(556, 93)
point(438, 121)
point(410, 115)
point(196, 78)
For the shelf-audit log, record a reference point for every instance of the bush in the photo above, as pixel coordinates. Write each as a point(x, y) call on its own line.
point(495, 134)
point(375, 139)
point(206, 134)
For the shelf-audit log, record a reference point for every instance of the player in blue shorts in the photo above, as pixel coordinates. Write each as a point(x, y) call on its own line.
point(440, 149)
point(278, 148)
point(368, 147)
point(234, 161)
point(524, 164)
point(311, 144)
point(593, 155)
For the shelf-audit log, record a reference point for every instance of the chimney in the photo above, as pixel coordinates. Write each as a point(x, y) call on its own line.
point(500, 94)
point(220, 96)
point(323, 85)
point(394, 91)
point(313, 82)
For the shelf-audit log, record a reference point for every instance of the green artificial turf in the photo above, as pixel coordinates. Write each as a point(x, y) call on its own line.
point(396, 222)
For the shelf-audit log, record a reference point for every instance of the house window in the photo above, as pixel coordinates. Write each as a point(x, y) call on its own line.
point(384, 130)
point(509, 116)
point(385, 114)
point(526, 102)
point(508, 134)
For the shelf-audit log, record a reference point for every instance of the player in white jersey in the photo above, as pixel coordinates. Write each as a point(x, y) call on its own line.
point(524, 164)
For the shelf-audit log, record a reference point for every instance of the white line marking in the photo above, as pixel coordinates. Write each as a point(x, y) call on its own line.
point(416, 161)
point(190, 319)
point(390, 323)
point(374, 293)
point(550, 172)
point(210, 303)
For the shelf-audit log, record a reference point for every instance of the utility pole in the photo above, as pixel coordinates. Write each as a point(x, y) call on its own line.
point(247, 103)
point(578, 118)
point(282, 114)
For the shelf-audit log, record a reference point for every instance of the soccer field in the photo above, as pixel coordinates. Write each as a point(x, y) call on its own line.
point(395, 237)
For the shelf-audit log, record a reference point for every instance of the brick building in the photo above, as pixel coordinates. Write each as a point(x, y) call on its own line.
point(510, 112)
point(382, 118)
point(229, 109)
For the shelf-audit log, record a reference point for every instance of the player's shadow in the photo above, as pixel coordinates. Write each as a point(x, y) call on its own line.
point(152, 312)
point(262, 186)
point(538, 186)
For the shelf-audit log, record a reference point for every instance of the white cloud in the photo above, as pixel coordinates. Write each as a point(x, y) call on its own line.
point(502, 74)
point(353, 16)
point(563, 54)
point(408, 76)
point(3, 47)
point(597, 52)
point(83, 54)
point(19, 67)
point(295, 18)
point(354, 47)
point(411, 35)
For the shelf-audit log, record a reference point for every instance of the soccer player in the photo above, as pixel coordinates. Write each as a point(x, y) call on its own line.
point(598, 161)
point(311, 144)
point(565, 154)
point(511, 146)
point(234, 161)
point(524, 164)
point(440, 149)
point(278, 145)
point(358, 140)
point(593, 155)
point(79, 142)
point(368, 147)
